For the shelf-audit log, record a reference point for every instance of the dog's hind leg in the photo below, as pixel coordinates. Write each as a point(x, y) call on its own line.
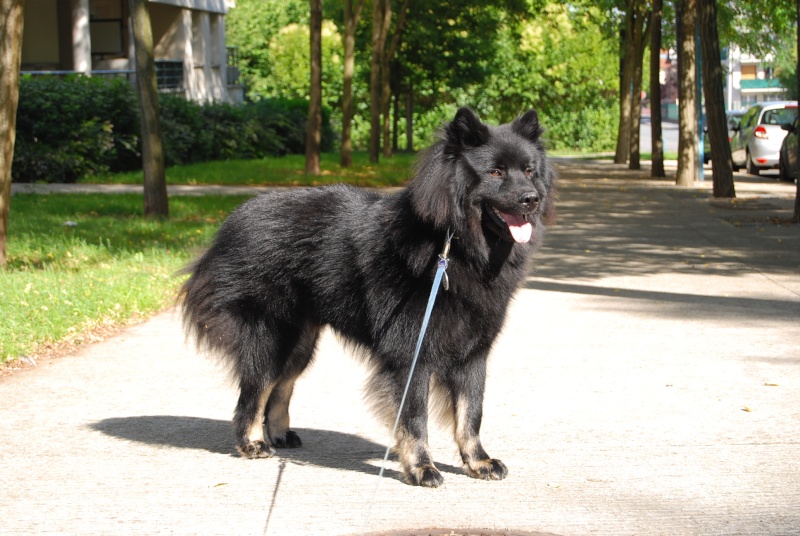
point(249, 418)
point(277, 408)
point(271, 356)
point(466, 387)
point(412, 431)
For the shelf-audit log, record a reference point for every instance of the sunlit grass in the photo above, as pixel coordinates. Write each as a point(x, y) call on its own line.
point(287, 170)
point(80, 261)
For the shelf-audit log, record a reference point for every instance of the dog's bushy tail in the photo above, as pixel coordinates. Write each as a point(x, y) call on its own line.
point(198, 301)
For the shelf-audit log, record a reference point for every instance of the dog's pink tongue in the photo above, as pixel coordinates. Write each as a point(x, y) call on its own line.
point(520, 229)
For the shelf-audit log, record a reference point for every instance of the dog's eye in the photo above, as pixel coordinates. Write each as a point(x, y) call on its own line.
point(496, 173)
point(528, 171)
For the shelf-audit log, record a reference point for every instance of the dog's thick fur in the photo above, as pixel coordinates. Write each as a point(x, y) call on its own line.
point(287, 263)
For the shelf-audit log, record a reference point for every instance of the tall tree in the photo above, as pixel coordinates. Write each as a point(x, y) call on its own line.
point(626, 79)
point(640, 37)
point(378, 46)
point(386, 73)
point(687, 93)
point(352, 13)
point(314, 129)
point(11, 12)
point(156, 204)
point(657, 149)
point(722, 169)
point(796, 216)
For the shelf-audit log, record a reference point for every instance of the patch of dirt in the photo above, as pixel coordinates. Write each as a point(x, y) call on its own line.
point(758, 221)
point(747, 203)
point(458, 532)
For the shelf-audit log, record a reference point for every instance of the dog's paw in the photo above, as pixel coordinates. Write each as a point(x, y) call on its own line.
point(290, 440)
point(255, 449)
point(488, 469)
point(424, 475)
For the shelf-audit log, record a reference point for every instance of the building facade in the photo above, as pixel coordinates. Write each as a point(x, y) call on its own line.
point(749, 80)
point(94, 38)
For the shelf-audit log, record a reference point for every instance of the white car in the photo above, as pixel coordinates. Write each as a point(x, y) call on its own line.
point(757, 140)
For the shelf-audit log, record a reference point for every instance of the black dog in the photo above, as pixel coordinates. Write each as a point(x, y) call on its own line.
point(287, 263)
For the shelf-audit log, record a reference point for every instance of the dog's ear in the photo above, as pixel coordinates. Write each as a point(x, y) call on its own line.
point(465, 130)
point(528, 126)
point(437, 191)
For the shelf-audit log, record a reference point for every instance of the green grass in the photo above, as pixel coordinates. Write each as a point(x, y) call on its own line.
point(280, 171)
point(113, 266)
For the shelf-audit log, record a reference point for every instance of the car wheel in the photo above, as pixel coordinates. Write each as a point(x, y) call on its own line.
point(752, 169)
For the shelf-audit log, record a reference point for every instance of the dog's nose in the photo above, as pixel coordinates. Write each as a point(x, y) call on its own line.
point(529, 198)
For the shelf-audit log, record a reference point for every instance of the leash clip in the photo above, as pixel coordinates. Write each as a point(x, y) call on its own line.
point(442, 264)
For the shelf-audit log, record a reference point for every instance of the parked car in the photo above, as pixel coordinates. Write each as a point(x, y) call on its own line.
point(757, 140)
point(733, 118)
point(788, 167)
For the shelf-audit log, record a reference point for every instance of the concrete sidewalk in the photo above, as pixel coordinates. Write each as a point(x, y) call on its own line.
point(647, 382)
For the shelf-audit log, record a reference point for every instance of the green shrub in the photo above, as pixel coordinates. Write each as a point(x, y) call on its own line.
point(585, 129)
point(77, 126)
point(68, 128)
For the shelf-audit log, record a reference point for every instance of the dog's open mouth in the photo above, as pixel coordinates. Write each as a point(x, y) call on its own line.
point(518, 225)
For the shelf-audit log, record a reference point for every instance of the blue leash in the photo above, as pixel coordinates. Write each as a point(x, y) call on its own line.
point(441, 273)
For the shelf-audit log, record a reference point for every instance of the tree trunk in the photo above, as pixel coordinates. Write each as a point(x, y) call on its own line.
point(386, 69)
point(395, 121)
point(378, 45)
point(156, 204)
point(410, 118)
point(351, 16)
point(624, 131)
point(657, 148)
point(10, 55)
point(386, 88)
point(722, 168)
point(796, 217)
point(687, 94)
point(314, 130)
point(640, 36)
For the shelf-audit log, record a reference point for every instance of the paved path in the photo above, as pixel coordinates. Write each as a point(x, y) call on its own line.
point(647, 382)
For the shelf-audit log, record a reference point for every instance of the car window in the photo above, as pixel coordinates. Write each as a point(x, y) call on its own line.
point(778, 116)
point(733, 121)
point(747, 120)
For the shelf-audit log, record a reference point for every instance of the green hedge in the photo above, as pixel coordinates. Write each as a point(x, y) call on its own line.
point(71, 127)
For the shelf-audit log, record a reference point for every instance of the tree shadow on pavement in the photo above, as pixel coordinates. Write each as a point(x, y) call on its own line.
point(323, 448)
point(681, 305)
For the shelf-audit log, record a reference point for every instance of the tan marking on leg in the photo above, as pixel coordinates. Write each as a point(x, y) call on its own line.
point(255, 432)
point(467, 442)
point(477, 463)
point(278, 416)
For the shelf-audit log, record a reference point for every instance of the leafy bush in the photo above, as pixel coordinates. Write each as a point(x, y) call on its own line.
point(73, 127)
point(68, 128)
point(585, 129)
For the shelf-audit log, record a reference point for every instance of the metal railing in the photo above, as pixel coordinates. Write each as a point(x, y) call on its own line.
point(169, 74)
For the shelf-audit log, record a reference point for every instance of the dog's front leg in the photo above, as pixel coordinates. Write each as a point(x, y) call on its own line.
point(466, 386)
point(412, 429)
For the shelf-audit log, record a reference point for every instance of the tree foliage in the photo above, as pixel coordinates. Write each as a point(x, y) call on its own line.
point(501, 57)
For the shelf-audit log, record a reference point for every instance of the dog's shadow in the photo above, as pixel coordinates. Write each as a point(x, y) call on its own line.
point(324, 448)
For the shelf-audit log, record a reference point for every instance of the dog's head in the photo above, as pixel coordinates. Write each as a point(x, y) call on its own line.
point(495, 178)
